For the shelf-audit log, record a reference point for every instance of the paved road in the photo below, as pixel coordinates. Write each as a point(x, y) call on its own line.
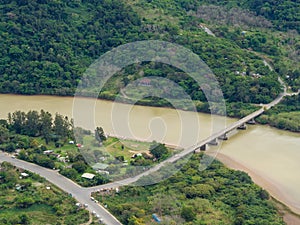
point(81, 194)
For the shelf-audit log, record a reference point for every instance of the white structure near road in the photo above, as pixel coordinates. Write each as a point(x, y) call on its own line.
point(89, 176)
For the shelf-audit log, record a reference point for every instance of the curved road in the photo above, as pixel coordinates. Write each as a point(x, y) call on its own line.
point(81, 194)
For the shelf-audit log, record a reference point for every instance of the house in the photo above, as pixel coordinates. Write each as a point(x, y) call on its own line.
point(48, 152)
point(19, 187)
point(145, 82)
point(136, 155)
point(56, 155)
point(156, 219)
point(62, 159)
point(102, 158)
point(103, 172)
point(100, 166)
point(18, 150)
point(89, 176)
point(24, 175)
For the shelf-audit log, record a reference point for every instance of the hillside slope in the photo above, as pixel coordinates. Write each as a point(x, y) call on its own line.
point(47, 45)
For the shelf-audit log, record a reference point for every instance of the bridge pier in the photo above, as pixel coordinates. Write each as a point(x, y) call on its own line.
point(223, 137)
point(197, 151)
point(252, 121)
point(213, 142)
point(242, 127)
point(203, 147)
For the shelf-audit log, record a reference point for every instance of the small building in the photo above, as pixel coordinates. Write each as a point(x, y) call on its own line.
point(89, 176)
point(56, 155)
point(19, 187)
point(145, 82)
point(48, 152)
point(102, 158)
point(24, 175)
point(137, 155)
point(103, 172)
point(62, 159)
point(156, 219)
point(18, 150)
point(100, 166)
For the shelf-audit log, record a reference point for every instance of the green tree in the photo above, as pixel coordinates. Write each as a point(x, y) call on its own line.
point(99, 134)
point(10, 147)
point(44, 161)
point(4, 134)
point(18, 119)
point(79, 166)
point(61, 126)
point(24, 219)
point(46, 125)
point(188, 213)
point(23, 155)
point(158, 150)
point(32, 125)
point(24, 201)
point(69, 173)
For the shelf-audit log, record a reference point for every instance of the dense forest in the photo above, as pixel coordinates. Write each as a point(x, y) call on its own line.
point(46, 52)
point(47, 45)
point(217, 195)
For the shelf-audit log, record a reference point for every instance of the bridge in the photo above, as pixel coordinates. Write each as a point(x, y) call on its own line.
point(240, 124)
point(212, 140)
point(83, 194)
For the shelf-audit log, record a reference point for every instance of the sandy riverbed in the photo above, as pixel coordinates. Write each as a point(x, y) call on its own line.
point(267, 184)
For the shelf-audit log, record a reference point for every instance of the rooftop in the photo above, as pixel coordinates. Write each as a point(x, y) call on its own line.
point(88, 175)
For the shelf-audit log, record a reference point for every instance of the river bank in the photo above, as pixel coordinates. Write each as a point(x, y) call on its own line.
point(275, 152)
point(290, 213)
point(234, 110)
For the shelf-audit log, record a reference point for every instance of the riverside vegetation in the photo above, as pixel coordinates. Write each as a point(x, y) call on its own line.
point(51, 143)
point(217, 195)
point(47, 51)
point(47, 45)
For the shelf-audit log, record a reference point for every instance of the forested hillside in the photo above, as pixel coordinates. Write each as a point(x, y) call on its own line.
point(284, 13)
point(47, 45)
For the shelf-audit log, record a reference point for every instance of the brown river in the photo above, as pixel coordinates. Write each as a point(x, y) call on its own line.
point(271, 155)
